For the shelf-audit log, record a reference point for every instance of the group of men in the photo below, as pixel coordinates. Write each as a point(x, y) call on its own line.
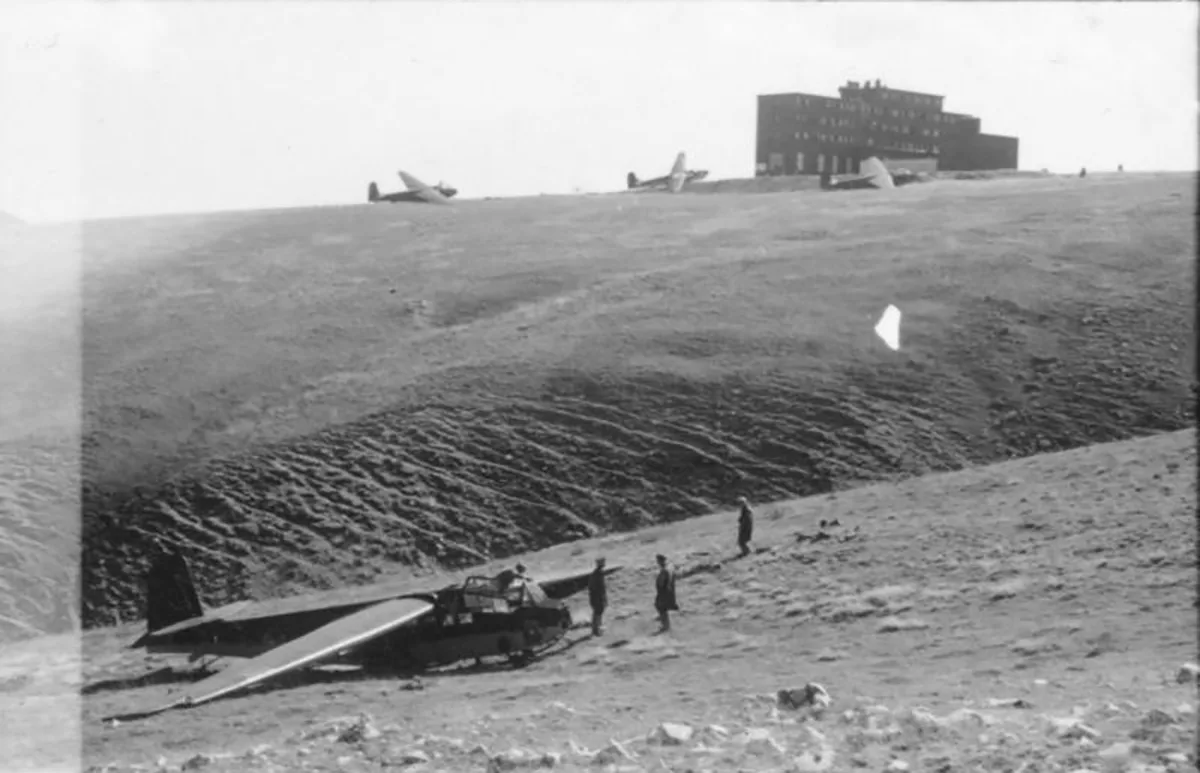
point(664, 583)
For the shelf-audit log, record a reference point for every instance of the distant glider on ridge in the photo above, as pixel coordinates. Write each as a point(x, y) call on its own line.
point(873, 175)
point(417, 192)
point(672, 182)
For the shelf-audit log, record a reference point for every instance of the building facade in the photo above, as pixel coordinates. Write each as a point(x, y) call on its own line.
point(813, 134)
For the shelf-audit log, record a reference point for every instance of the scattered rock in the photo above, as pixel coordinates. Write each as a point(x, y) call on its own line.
point(758, 741)
point(613, 754)
point(410, 757)
point(894, 624)
point(521, 759)
point(966, 717)
point(197, 762)
point(442, 744)
point(362, 729)
point(920, 719)
point(1189, 673)
point(1072, 728)
point(828, 656)
point(897, 766)
point(262, 750)
point(1009, 703)
point(1157, 718)
point(670, 734)
point(810, 695)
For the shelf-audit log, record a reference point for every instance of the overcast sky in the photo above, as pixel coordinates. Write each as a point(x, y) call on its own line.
point(127, 108)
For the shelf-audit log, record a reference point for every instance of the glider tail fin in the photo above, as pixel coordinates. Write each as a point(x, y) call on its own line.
point(373, 193)
point(680, 166)
point(170, 594)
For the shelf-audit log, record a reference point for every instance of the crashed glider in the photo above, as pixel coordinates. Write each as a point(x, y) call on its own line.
point(416, 191)
point(506, 615)
point(673, 182)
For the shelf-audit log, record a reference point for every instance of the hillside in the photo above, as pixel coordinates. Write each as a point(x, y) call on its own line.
point(966, 621)
point(306, 398)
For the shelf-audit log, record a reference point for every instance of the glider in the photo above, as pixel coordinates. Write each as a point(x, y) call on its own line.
point(417, 191)
point(505, 615)
point(873, 174)
point(672, 182)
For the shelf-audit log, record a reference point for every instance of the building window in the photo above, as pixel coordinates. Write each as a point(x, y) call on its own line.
point(936, 133)
point(805, 134)
point(870, 142)
point(935, 150)
point(797, 136)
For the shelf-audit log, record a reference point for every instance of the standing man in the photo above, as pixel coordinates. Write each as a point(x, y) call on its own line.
point(664, 597)
point(597, 596)
point(745, 526)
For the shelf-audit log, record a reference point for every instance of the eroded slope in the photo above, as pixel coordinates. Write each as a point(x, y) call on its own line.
point(1063, 581)
point(301, 398)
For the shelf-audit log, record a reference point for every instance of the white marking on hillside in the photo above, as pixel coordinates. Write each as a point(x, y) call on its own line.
point(888, 327)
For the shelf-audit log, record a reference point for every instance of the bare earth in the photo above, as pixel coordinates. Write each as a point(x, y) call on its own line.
point(1065, 580)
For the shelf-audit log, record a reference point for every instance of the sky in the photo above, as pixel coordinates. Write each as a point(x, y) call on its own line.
point(124, 108)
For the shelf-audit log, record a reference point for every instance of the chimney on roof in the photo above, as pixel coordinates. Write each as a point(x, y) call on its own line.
point(878, 83)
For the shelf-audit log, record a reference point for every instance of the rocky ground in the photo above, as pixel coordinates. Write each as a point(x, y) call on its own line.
point(1035, 615)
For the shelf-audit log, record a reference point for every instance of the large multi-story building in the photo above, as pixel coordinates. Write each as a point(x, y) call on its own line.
point(812, 134)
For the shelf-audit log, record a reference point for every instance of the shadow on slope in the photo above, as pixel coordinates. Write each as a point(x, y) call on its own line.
point(1061, 579)
point(686, 350)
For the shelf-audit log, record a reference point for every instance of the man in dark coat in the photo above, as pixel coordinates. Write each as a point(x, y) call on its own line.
point(664, 597)
point(597, 597)
point(745, 526)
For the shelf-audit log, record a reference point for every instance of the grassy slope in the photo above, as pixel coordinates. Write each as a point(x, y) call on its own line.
point(1077, 568)
point(337, 389)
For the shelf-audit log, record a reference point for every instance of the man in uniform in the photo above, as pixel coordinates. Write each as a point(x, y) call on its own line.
point(597, 596)
point(664, 597)
point(745, 526)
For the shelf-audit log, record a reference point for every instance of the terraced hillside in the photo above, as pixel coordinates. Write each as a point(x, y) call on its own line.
point(304, 398)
